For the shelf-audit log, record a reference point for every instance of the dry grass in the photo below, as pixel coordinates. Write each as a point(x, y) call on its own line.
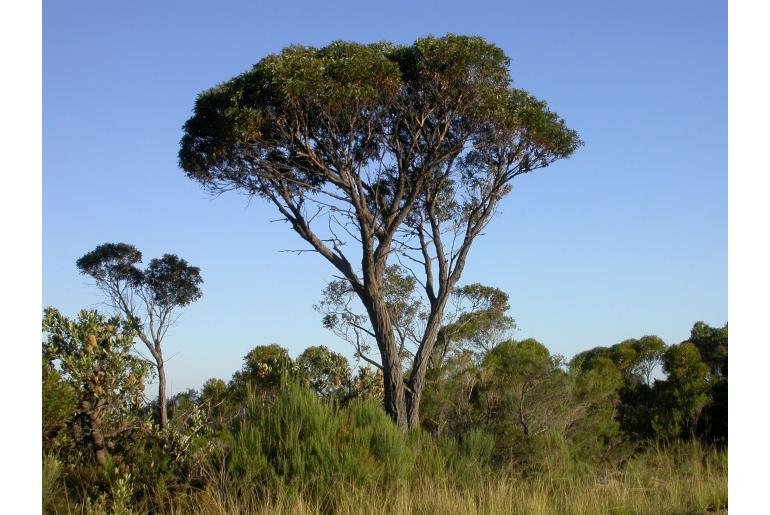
point(683, 480)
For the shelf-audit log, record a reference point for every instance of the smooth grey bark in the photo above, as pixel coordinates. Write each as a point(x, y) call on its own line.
point(162, 405)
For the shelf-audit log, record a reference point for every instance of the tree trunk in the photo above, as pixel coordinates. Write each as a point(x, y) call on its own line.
point(393, 376)
point(162, 394)
point(97, 438)
point(395, 399)
point(421, 361)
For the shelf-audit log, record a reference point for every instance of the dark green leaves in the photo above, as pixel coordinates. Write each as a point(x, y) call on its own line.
point(348, 103)
point(167, 282)
point(172, 282)
point(112, 261)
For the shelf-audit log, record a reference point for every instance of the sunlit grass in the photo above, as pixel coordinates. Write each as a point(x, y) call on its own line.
point(683, 479)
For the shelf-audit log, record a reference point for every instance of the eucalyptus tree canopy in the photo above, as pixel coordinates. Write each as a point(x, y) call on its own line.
point(712, 344)
point(684, 393)
point(477, 322)
point(149, 298)
point(375, 154)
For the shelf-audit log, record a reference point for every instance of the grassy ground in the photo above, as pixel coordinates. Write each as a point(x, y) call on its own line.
point(683, 480)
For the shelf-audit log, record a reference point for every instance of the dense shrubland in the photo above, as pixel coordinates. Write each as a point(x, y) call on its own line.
point(635, 427)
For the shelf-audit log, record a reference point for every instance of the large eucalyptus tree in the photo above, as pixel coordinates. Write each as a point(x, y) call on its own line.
point(377, 153)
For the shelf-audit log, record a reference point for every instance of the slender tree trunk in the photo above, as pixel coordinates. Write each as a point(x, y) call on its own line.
point(421, 361)
point(162, 393)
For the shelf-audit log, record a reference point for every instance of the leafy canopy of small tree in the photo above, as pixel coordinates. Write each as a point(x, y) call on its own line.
point(477, 322)
point(263, 368)
point(376, 154)
point(712, 345)
point(326, 372)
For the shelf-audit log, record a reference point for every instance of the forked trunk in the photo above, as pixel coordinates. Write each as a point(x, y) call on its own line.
point(402, 399)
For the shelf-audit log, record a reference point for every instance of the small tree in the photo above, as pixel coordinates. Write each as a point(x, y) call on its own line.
point(477, 322)
point(376, 154)
point(326, 372)
point(214, 399)
point(592, 421)
point(649, 356)
point(148, 298)
point(525, 385)
point(448, 405)
point(263, 369)
point(712, 344)
point(684, 393)
point(93, 355)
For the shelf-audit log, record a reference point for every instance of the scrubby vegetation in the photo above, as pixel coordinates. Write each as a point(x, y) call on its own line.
point(512, 429)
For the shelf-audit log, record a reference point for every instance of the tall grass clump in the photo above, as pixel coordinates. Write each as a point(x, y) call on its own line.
point(302, 445)
point(371, 448)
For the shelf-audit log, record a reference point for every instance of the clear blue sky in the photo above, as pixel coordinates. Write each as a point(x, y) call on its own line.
point(629, 237)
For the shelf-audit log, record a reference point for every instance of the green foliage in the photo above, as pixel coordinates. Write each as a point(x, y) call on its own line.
point(713, 422)
point(625, 370)
point(367, 385)
point(263, 368)
point(684, 393)
point(712, 345)
point(53, 486)
point(326, 372)
point(477, 446)
point(690, 401)
point(93, 355)
point(319, 83)
point(171, 281)
point(167, 282)
point(649, 355)
point(593, 429)
point(373, 451)
point(215, 398)
point(449, 404)
point(112, 262)
point(213, 391)
point(303, 442)
point(480, 325)
point(524, 390)
point(60, 398)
